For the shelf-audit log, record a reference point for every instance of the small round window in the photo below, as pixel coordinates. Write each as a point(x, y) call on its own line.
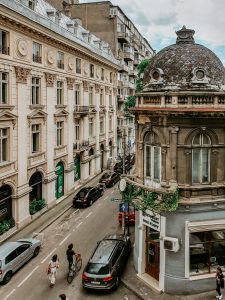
point(155, 75)
point(200, 74)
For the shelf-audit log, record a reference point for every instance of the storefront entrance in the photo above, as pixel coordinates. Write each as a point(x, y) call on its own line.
point(77, 168)
point(5, 202)
point(59, 182)
point(152, 253)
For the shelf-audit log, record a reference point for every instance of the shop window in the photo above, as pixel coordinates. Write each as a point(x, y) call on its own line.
point(201, 145)
point(207, 251)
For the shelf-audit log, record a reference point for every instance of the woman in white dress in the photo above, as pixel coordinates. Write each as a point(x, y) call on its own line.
point(52, 269)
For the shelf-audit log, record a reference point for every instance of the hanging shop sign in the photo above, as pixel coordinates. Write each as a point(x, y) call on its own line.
point(151, 220)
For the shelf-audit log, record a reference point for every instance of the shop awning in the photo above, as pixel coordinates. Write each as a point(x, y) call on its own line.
point(206, 225)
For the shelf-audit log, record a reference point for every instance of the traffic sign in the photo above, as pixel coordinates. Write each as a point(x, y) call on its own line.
point(123, 207)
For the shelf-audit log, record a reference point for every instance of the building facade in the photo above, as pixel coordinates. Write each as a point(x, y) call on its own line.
point(57, 113)
point(110, 24)
point(180, 142)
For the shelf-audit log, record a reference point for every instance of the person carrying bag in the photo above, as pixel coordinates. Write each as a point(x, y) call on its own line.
point(52, 269)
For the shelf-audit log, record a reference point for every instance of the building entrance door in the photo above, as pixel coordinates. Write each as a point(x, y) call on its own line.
point(152, 253)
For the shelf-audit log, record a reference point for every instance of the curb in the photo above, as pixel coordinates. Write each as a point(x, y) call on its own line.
point(132, 289)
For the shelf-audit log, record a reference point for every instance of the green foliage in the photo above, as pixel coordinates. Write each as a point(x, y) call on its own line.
point(153, 201)
point(6, 224)
point(131, 100)
point(36, 205)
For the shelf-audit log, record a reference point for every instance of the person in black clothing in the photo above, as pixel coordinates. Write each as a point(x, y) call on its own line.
point(71, 255)
point(219, 282)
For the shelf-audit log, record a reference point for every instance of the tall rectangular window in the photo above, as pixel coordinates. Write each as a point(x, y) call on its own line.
point(3, 88)
point(152, 162)
point(31, 4)
point(77, 130)
point(59, 92)
point(102, 74)
point(110, 77)
point(4, 42)
point(91, 127)
point(110, 98)
point(59, 133)
point(101, 97)
point(37, 52)
point(36, 87)
point(78, 65)
point(102, 125)
point(60, 60)
point(110, 123)
point(91, 95)
point(92, 69)
point(4, 143)
point(35, 137)
point(77, 94)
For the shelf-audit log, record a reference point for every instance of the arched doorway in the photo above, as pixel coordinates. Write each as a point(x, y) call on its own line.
point(102, 157)
point(59, 182)
point(90, 153)
point(35, 183)
point(5, 202)
point(77, 167)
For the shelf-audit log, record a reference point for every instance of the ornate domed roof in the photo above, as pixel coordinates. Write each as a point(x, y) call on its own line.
point(184, 65)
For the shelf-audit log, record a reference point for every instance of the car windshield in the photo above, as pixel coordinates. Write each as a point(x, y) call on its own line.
point(82, 193)
point(106, 175)
point(97, 269)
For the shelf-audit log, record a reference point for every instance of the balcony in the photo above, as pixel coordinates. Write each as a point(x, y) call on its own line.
point(80, 145)
point(136, 61)
point(36, 159)
point(81, 110)
point(123, 37)
point(120, 98)
point(4, 50)
point(133, 73)
point(127, 55)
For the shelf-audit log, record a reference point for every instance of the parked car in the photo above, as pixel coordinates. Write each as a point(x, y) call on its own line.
point(110, 178)
point(106, 263)
point(118, 165)
point(14, 255)
point(128, 167)
point(88, 195)
point(129, 217)
point(131, 159)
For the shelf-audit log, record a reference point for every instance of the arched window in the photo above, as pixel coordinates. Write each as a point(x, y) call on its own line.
point(152, 158)
point(201, 147)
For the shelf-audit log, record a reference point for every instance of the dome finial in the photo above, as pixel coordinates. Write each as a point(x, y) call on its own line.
point(185, 36)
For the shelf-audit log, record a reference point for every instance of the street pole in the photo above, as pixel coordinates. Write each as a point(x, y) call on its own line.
point(124, 172)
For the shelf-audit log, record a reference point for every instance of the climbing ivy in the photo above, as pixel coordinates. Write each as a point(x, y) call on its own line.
point(130, 101)
point(142, 199)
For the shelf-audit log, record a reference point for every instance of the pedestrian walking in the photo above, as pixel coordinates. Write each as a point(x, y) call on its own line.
point(52, 269)
point(63, 297)
point(219, 282)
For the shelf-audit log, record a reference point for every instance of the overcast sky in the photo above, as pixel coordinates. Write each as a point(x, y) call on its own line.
point(158, 20)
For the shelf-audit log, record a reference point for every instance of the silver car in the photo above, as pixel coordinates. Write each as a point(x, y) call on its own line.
point(14, 255)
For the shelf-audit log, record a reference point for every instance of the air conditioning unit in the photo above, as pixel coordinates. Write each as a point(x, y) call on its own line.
point(171, 244)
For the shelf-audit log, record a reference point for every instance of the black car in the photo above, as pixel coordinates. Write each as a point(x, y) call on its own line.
point(107, 262)
point(87, 195)
point(110, 178)
point(119, 169)
point(131, 159)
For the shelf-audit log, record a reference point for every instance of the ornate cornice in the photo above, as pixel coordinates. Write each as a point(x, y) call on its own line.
point(50, 79)
point(70, 82)
point(21, 74)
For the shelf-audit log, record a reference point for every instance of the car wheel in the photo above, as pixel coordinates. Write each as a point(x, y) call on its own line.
point(36, 251)
point(91, 202)
point(7, 277)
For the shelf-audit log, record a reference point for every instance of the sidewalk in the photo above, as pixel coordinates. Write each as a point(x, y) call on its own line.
point(145, 292)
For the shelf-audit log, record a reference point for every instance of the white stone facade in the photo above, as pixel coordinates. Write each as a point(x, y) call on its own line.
point(50, 110)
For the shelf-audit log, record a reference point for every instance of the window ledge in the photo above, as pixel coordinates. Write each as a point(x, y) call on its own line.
point(60, 106)
point(6, 163)
point(36, 154)
point(7, 106)
point(36, 106)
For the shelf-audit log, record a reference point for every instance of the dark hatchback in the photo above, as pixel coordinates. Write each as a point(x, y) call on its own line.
point(109, 179)
point(87, 195)
point(107, 263)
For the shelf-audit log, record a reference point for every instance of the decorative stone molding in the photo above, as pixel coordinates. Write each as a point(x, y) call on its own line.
point(8, 116)
point(50, 79)
point(71, 63)
point(70, 82)
point(36, 114)
point(97, 88)
point(22, 48)
point(85, 85)
point(174, 129)
point(21, 74)
point(107, 90)
point(114, 91)
point(50, 57)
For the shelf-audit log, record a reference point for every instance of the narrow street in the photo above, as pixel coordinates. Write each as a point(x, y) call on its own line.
point(83, 228)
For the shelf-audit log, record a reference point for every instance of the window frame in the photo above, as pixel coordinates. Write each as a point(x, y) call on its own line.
point(35, 136)
point(92, 70)
point(60, 59)
point(59, 94)
point(4, 155)
point(77, 94)
point(78, 65)
point(91, 95)
point(91, 127)
point(36, 52)
point(4, 82)
point(59, 133)
point(152, 163)
point(35, 90)
point(4, 42)
point(77, 129)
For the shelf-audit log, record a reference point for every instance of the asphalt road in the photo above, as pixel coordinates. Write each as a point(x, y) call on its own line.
point(83, 228)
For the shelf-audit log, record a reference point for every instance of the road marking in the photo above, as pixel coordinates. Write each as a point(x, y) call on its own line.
point(48, 255)
point(78, 225)
point(64, 239)
point(19, 285)
point(88, 215)
point(9, 294)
